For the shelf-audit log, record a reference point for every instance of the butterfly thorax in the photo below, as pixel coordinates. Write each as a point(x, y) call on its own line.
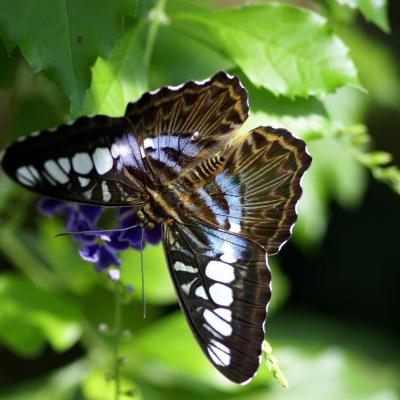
point(168, 201)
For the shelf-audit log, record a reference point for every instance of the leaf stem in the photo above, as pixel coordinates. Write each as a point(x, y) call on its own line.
point(156, 17)
point(116, 339)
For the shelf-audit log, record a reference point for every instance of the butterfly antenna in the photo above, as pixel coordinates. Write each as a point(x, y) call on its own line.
point(142, 270)
point(96, 231)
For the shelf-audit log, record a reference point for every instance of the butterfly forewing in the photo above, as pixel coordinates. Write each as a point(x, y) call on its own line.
point(223, 286)
point(94, 160)
point(110, 161)
point(179, 126)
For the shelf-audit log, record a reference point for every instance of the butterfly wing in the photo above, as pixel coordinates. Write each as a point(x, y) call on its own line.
point(255, 196)
point(110, 161)
point(223, 286)
point(179, 126)
point(93, 160)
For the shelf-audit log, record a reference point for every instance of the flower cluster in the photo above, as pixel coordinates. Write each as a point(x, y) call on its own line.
point(100, 247)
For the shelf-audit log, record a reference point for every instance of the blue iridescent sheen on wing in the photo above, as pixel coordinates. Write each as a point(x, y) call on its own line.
point(255, 196)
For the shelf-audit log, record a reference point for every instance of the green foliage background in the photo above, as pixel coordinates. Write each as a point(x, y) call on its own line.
point(309, 66)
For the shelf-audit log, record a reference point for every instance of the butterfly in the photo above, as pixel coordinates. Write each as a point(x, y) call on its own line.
point(225, 201)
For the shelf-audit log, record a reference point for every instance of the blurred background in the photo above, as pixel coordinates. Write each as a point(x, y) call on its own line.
point(334, 321)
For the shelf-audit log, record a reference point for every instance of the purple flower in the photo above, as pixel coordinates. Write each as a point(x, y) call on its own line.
point(100, 247)
point(127, 217)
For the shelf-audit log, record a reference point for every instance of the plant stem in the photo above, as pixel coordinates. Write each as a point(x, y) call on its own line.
point(157, 17)
point(116, 338)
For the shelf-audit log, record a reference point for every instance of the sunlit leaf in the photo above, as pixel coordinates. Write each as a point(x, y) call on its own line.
point(180, 358)
point(377, 67)
point(46, 316)
point(288, 50)
point(97, 387)
point(305, 118)
point(170, 63)
point(158, 284)
point(117, 80)
point(373, 10)
point(63, 39)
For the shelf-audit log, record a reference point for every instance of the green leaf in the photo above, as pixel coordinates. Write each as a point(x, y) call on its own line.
point(118, 80)
point(169, 64)
point(306, 118)
point(97, 387)
point(62, 256)
point(158, 285)
point(181, 358)
point(288, 50)
point(281, 286)
point(334, 174)
point(375, 11)
point(325, 358)
point(29, 316)
point(377, 66)
point(63, 39)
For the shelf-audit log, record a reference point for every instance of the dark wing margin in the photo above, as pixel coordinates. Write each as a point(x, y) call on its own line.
point(92, 160)
point(180, 125)
point(223, 286)
point(255, 196)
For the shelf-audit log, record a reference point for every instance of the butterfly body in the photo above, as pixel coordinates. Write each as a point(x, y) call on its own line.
point(224, 203)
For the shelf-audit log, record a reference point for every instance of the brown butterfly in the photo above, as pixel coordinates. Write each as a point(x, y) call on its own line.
point(225, 202)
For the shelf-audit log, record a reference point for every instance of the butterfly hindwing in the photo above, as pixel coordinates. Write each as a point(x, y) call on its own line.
point(223, 287)
point(255, 195)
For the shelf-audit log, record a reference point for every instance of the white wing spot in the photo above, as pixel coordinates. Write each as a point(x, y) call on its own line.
point(55, 171)
point(217, 323)
point(186, 286)
point(221, 294)
point(49, 178)
point(224, 313)
point(65, 164)
point(88, 194)
point(219, 353)
point(148, 142)
point(82, 163)
point(180, 266)
point(228, 251)
point(106, 192)
point(220, 271)
point(103, 160)
point(235, 228)
point(25, 177)
point(200, 292)
point(115, 150)
point(35, 173)
point(83, 181)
